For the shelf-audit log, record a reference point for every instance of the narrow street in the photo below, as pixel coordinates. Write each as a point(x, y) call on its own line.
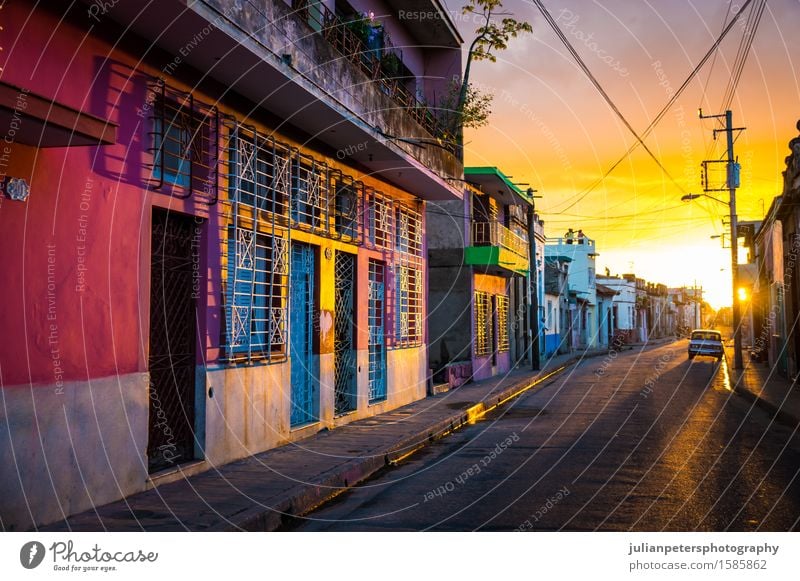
point(647, 441)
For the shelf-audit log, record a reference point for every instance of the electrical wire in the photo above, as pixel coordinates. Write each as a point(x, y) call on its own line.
point(554, 25)
point(581, 195)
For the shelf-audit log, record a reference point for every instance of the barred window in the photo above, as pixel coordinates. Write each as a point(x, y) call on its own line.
point(409, 321)
point(484, 324)
point(256, 295)
point(378, 220)
point(309, 192)
point(502, 322)
point(409, 231)
point(346, 194)
point(259, 171)
point(184, 143)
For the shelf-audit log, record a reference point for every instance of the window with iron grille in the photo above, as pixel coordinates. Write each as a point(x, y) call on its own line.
point(483, 324)
point(502, 322)
point(346, 194)
point(409, 231)
point(309, 193)
point(378, 219)
point(184, 144)
point(408, 313)
point(259, 171)
point(256, 295)
point(256, 278)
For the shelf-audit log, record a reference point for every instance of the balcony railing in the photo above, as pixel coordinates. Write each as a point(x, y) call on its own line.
point(379, 60)
point(495, 234)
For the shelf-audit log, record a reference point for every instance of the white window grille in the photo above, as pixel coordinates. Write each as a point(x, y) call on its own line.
point(378, 219)
point(256, 295)
point(409, 231)
point(346, 206)
point(309, 193)
point(409, 311)
point(259, 171)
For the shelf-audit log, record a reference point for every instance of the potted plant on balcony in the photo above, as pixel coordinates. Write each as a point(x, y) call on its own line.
point(368, 30)
point(390, 64)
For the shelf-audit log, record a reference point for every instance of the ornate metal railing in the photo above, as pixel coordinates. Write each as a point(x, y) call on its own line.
point(369, 48)
point(495, 234)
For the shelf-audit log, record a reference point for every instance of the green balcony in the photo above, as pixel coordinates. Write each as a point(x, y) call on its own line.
point(497, 248)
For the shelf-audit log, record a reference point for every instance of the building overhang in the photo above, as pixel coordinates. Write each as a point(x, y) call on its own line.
point(492, 182)
point(43, 122)
point(495, 260)
point(213, 38)
point(430, 23)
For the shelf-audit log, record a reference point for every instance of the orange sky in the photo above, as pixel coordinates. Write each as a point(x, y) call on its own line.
point(550, 127)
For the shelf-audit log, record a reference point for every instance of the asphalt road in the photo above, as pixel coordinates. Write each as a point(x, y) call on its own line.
point(645, 441)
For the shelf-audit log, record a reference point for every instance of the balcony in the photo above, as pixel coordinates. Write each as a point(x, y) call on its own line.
point(310, 72)
point(497, 248)
point(370, 50)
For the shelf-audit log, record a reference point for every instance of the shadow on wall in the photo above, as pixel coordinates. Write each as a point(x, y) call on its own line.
point(121, 94)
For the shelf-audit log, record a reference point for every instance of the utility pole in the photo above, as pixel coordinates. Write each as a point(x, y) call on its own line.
point(533, 287)
point(732, 182)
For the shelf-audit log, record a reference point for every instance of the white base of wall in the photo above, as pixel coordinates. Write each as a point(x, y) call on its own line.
point(64, 450)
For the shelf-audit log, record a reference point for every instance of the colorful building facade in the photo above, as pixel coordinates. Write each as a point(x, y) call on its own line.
point(479, 276)
point(222, 248)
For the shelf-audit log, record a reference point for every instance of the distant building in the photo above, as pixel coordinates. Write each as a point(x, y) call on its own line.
point(606, 322)
point(580, 250)
point(769, 300)
point(558, 320)
point(624, 306)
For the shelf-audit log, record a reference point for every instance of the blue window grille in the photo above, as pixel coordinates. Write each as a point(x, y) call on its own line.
point(257, 249)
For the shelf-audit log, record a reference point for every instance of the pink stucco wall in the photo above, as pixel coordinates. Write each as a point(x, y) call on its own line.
point(73, 254)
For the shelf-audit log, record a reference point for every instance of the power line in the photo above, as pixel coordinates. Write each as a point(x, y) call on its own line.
point(665, 109)
point(554, 25)
point(751, 28)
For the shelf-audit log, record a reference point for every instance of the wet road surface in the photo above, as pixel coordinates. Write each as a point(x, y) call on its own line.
point(645, 441)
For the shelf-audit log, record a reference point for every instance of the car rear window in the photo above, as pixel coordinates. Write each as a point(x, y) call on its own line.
point(706, 336)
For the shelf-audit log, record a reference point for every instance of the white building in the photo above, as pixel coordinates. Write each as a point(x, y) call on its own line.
point(624, 305)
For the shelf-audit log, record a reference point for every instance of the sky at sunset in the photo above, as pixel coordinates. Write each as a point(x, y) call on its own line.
point(551, 128)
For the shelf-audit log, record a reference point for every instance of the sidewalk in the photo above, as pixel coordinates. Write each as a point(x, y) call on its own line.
point(263, 491)
point(763, 386)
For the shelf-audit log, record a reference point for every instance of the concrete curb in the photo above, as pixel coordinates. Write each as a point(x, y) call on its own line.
point(778, 415)
point(309, 496)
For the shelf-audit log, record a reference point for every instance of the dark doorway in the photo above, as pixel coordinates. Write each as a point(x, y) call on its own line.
point(173, 327)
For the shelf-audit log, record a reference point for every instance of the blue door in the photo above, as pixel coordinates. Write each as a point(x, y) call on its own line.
point(301, 336)
point(377, 336)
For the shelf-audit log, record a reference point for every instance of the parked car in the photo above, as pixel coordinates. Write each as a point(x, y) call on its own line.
point(706, 342)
